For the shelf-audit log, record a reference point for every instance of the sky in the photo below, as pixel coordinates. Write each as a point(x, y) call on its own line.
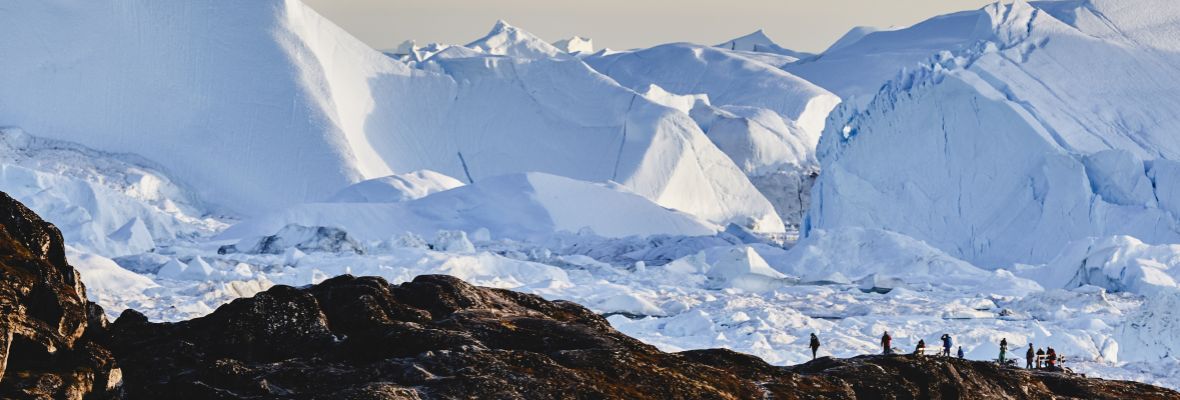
point(805, 25)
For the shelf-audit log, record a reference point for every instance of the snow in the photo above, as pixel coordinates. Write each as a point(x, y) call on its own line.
point(1115, 263)
point(103, 203)
point(576, 44)
point(396, 188)
point(530, 206)
point(884, 259)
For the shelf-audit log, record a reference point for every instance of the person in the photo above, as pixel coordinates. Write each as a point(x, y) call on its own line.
point(960, 352)
point(814, 345)
point(1029, 356)
point(1051, 357)
point(1003, 349)
point(946, 345)
point(921, 346)
point(886, 341)
point(1040, 357)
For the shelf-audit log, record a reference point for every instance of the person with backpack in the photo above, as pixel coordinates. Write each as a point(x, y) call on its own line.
point(1029, 357)
point(814, 345)
point(946, 344)
point(1003, 349)
point(886, 343)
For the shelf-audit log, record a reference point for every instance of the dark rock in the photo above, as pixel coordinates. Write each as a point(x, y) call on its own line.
point(47, 328)
point(438, 337)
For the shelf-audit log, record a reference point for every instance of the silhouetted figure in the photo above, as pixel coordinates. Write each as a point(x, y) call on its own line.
point(1003, 350)
point(946, 345)
point(814, 345)
point(1040, 358)
point(1029, 357)
point(960, 352)
point(920, 350)
point(886, 342)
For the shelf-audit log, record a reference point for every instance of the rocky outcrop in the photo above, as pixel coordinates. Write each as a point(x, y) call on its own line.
point(47, 328)
point(434, 337)
point(438, 337)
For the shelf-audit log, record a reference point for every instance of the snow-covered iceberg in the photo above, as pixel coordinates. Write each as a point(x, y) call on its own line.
point(1042, 134)
point(296, 109)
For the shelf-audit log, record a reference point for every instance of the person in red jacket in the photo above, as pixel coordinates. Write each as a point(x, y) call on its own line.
point(886, 341)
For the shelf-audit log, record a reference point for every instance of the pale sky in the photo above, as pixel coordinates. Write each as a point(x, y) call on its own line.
point(621, 24)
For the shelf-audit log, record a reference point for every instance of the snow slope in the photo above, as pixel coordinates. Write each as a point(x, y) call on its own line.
point(529, 207)
point(296, 109)
point(766, 120)
point(395, 188)
point(1054, 130)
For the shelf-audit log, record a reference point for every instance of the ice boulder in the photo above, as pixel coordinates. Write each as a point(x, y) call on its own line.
point(453, 242)
point(197, 269)
point(395, 188)
point(1115, 263)
point(881, 259)
point(738, 267)
point(303, 238)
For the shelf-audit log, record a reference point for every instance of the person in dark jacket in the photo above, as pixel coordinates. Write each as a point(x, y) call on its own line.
point(1051, 357)
point(886, 342)
point(960, 352)
point(1003, 349)
point(1040, 355)
point(814, 345)
point(1029, 357)
point(920, 350)
point(946, 344)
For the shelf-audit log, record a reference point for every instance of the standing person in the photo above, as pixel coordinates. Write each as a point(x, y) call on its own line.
point(814, 345)
point(1029, 356)
point(946, 345)
point(960, 352)
point(886, 342)
point(1003, 349)
point(1040, 357)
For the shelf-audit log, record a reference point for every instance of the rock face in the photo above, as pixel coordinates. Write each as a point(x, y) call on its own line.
point(438, 337)
point(46, 348)
point(434, 337)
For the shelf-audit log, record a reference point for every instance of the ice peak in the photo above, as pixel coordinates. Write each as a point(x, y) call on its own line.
point(507, 40)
